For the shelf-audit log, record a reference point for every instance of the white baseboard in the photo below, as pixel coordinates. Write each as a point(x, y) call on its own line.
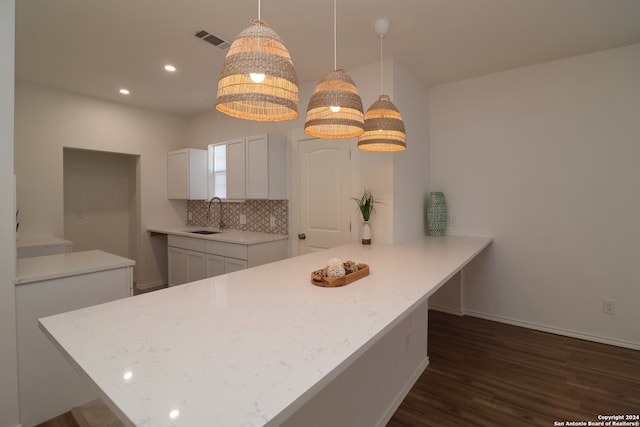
point(395, 404)
point(149, 286)
point(450, 310)
point(553, 330)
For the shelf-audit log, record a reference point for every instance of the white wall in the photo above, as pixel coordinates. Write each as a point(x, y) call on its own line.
point(47, 120)
point(545, 160)
point(99, 201)
point(8, 362)
point(410, 172)
point(375, 171)
point(399, 180)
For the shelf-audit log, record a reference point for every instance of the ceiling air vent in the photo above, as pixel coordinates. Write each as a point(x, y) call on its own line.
point(211, 39)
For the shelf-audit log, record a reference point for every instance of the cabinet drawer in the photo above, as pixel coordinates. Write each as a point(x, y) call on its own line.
point(232, 250)
point(231, 265)
point(186, 243)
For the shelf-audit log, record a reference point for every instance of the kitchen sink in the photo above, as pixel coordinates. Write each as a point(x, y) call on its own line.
point(204, 232)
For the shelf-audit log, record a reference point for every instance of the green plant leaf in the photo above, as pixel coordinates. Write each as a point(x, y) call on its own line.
point(366, 203)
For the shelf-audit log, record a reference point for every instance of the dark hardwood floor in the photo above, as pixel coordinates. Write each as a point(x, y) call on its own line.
point(64, 420)
point(483, 373)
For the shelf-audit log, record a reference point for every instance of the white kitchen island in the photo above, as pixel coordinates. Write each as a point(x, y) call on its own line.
point(265, 347)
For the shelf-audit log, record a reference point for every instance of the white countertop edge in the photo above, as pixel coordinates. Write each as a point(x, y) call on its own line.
point(37, 269)
point(315, 389)
point(27, 242)
point(228, 235)
point(103, 396)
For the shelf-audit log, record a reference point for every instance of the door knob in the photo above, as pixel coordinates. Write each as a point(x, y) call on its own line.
point(302, 236)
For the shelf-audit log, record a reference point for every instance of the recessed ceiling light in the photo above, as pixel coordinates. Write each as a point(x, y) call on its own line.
point(124, 91)
point(170, 68)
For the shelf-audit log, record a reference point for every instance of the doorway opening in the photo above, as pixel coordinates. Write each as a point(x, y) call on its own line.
point(102, 201)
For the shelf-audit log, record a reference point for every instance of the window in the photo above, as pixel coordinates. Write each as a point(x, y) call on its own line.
point(218, 170)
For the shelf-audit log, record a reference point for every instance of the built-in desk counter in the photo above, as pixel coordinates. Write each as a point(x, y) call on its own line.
point(37, 269)
point(265, 347)
point(40, 246)
point(48, 285)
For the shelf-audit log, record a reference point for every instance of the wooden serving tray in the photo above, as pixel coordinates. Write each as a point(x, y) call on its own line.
point(334, 282)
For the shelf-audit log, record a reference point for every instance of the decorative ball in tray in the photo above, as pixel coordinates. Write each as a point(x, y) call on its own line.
point(338, 273)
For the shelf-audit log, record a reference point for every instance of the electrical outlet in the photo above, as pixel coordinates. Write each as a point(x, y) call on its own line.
point(190, 216)
point(608, 306)
point(243, 219)
point(452, 221)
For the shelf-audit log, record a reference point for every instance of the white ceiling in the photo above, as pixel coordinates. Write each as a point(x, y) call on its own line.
point(94, 47)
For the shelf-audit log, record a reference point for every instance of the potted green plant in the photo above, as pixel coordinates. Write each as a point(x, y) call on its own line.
point(366, 204)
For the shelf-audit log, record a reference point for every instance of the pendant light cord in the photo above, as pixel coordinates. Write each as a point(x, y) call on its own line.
point(381, 88)
point(259, 10)
point(335, 37)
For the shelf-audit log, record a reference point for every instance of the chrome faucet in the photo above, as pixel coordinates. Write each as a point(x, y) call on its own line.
point(221, 224)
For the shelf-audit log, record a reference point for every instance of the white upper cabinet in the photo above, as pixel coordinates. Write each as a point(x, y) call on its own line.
point(254, 167)
point(266, 167)
point(187, 174)
point(236, 169)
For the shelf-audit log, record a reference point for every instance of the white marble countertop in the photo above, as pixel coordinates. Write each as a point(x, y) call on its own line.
point(227, 235)
point(47, 267)
point(250, 347)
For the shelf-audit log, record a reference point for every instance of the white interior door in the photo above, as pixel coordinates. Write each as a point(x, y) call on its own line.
point(325, 188)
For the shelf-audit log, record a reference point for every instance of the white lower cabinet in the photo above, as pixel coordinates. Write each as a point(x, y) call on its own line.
point(192, 259)
point(185, 266)
point(196, 269)
point(186, 260)
point(177, 266)
point(215, 265)
point(232, 264)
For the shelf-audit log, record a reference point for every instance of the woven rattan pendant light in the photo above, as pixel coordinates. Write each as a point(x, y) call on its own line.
point(383, 124)
point(335, 108)
point(258, 80)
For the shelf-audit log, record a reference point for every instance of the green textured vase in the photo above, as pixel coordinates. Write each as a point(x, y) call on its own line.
point(437, 214)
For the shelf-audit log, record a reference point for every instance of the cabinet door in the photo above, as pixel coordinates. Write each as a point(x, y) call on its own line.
point(236, 169)
point(178, 174)
point(257, 165)
point(187, 174)
point(197, 174)
point(215, 265)
point(266, 163)
point(196, 269)
point(232, 264)
point(177, 266)
point(267, 252)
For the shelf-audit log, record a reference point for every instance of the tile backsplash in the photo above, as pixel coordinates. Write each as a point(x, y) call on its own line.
point(258, 215)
